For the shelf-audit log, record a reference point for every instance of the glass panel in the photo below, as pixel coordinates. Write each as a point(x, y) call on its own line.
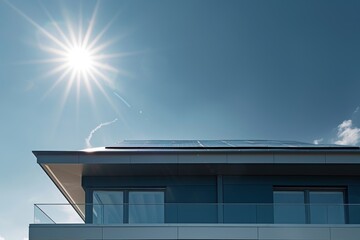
point(289, 207)
point(197, 212)
point(41, 215)
point(108, 207)
point(240, 213)
point(327, 207)
point(146, 207)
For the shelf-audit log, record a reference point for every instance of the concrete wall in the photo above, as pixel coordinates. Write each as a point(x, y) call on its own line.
point(194, 231)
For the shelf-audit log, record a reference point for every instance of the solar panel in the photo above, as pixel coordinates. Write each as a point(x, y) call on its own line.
point(222, 144)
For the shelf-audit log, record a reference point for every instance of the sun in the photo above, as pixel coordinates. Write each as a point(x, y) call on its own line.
point(79, 57)
point(79, 54)
point(80, 60)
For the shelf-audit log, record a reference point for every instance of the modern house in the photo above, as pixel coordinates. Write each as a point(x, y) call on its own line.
point(140, 190)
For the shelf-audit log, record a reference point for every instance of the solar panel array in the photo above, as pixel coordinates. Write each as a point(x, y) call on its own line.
point(216, 144)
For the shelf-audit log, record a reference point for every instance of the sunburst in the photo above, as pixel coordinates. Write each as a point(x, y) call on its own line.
point(79, 59)
point(77, 54)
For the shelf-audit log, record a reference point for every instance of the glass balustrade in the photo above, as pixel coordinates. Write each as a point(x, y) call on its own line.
point(212, 213)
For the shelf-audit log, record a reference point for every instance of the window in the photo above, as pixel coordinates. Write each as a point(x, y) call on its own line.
point(289, 207)
point(309, 205)
point(128, 206)
point(326, 207)
point(108, 207)
point(146, 207)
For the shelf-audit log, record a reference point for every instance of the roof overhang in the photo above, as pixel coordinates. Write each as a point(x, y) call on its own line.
point(67, 168)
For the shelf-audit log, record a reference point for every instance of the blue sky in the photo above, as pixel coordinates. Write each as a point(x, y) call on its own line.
point(286, 70)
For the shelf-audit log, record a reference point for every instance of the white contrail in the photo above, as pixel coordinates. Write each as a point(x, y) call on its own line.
point(88, 139)
point(122, 99)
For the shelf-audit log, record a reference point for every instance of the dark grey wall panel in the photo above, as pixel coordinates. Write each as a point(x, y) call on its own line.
point(248, 193)
point(354, 201)
point(293, 180)
point(191, 194)
point(248, 203)
point(135, 181)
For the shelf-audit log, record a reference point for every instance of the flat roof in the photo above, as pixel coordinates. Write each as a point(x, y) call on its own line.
point(222, 144)
point(199, 146)
point(195, 157)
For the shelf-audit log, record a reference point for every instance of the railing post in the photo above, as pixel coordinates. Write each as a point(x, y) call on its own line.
point(220, 202)
point(102, 214)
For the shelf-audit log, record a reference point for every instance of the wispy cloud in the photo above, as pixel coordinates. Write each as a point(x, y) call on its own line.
point(347, 133)
point(122, 99)
point(318, 141)
point(88, 139)
point(2, 238)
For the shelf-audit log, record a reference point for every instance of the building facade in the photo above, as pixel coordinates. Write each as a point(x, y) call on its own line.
point(205, 190)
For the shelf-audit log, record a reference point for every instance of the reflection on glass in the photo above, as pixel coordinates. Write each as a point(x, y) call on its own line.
point(108, 207)
point(146, 207)
point(326, 207)
point(289, 207)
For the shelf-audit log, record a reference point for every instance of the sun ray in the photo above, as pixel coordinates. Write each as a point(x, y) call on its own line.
point(68, 87)
point(89, 88)
point(91, 25)
point(41, 61)
point(113, 55)
point(79, 55)
point(38, 27)
point(59, 80)
point(78, 85)
point(80, 30)
point(56, 25)
point(103, 31)
point(99, 48)
point(101, 75)
point(58, 69)
point(54, 50)
point(105, 66)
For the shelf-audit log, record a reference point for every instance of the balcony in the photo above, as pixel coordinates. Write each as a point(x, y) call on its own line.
point(189, 221)
point(198, 213)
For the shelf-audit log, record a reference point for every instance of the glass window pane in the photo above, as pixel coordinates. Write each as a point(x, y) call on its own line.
point(108, 207)
point(146, 207)
point(289, 207)
point(326, 207)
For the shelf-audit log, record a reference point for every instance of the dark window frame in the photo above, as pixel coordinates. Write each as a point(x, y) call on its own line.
point(126, 192)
